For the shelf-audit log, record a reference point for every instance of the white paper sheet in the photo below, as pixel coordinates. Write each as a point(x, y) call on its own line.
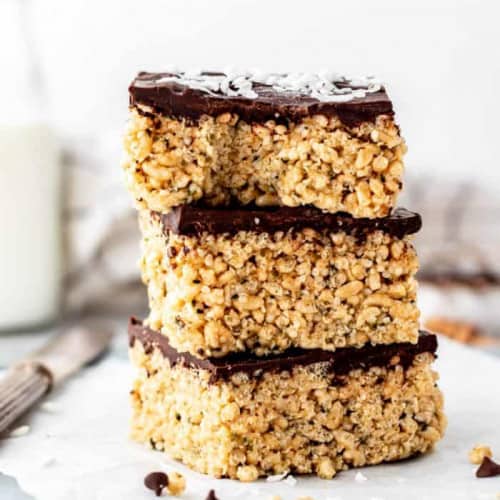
point(80, 451)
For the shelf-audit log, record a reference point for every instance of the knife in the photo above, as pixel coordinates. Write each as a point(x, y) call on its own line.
point(31, 379)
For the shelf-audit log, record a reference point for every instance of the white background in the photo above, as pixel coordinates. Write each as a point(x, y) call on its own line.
point(440, 59)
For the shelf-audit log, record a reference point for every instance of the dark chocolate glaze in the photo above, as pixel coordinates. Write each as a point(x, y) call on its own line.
point(340, 362)
point(193, 220)
point(178, 100)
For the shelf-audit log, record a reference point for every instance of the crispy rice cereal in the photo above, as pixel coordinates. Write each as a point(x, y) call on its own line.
point(303, 421)
point(318, 161)
point(216, 294)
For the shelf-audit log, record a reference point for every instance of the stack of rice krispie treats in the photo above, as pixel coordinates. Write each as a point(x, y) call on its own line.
point(283, 329)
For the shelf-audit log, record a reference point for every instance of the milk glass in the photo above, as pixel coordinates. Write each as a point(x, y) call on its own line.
point(30, 227)
point(30, 186)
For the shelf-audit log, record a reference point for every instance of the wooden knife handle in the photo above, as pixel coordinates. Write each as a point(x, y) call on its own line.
point(20, 389)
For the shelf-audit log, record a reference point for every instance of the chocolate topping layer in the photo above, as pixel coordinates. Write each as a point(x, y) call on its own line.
point(192, 220)
point(173, 98)
point(340, 361)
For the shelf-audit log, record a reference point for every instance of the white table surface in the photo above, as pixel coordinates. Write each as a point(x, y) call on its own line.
point(80, 450)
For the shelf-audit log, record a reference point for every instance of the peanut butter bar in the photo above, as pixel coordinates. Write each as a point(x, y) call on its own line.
point(265, 280)
point(264, 139)
point(303, 411)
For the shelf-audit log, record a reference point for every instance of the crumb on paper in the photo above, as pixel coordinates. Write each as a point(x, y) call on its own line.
point(211, 495)
point(50, 407)
point(20, 431)
point(326, 468)
point(305, 498)
point(247, 473)
point(176, 484)
point(477, 453)
point(275, 497)
point(48, 461)
point(290, 480)
point(360, 477)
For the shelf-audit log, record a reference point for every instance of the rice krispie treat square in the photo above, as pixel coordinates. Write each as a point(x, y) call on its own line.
point(264, 280)
point(293, 140)
point(306, 411)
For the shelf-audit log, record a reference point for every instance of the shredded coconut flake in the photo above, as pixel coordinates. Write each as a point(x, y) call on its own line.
point(290, 480)
point(324, 86)
point(20, 431)
point(49, 407)
point(360, 477)
point(277, 477)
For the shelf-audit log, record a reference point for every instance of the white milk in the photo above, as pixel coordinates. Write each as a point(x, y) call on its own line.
point(30, 226)
point(30, 184)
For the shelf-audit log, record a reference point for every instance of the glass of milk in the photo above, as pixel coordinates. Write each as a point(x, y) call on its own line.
point(30, 191)
point(30, 246)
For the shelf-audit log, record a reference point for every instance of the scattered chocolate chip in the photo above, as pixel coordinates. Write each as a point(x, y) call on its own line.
point(156, 481)
point(488, 468)
point(211, 495)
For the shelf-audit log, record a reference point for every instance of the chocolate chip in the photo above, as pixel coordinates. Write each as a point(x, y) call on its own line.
point(488, 468)
point(211, 495)
point(172, 252)
point(156, 481)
